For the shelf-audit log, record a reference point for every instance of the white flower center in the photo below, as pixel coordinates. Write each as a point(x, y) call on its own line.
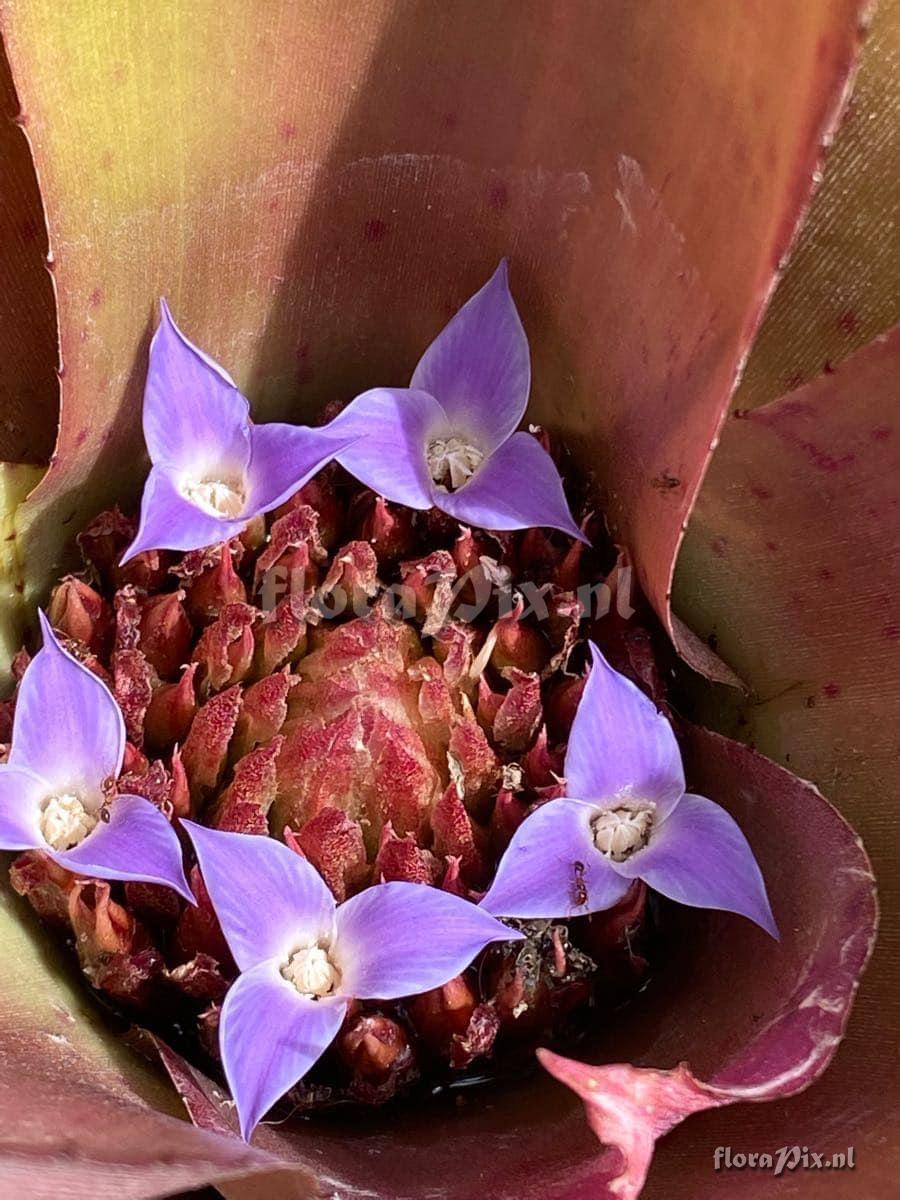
point(312, 972)
point(452, 461)
point(218, 497)
point(618, 832)
point(65, 822)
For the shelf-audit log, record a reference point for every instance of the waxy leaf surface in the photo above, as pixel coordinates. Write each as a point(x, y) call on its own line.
point(305, 188)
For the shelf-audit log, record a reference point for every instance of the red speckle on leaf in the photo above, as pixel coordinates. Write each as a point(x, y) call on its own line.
point(760, 492)
point(374, 229)
point(772, 547)
point(96, 298)
point(30, 230)
point(719, 546)
point(823, 48)
point(81, 438)
point(450, 120)
point(881, 433)
point(304, 370)
point(288, 131)
point(274, 204)
point(498, 196)
point(792, 408)
point(848, 322)
point(891, 632)
point(826, 573)
point(831, 690)
point(106, 159)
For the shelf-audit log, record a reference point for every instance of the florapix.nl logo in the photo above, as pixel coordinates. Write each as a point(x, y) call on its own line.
point(787, 1158)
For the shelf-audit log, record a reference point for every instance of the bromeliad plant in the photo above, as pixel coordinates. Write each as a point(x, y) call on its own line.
point(647, 176)
point(394, 751)
point(355, 777)
point(366, 785)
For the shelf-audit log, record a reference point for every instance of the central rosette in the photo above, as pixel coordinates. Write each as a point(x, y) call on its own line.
point(375, 730)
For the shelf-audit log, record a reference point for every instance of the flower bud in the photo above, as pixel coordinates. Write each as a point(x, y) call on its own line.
point(81, 613)
point(101, 926)
point(519, 714)
point(165, 633)
point(171, 710)
point(214, 585)
point(509, 813)
point(542, 767)
point(561, 704)
point(201, 978)
point(374, 1047)
point(388, 528)
point(352, 579)
point(430, 581)
point(443, 1013)
point(515, 644)
point(253, 535)
point(226, 647)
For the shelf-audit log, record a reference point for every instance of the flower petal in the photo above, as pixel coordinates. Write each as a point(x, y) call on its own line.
point(169, 521)
point(137, 842)
point(551, 854)
point(399, 939)
point(194, 416)
point(21, 793)
point(516, 487)
point(67, 728)
point(392, 427)
point(479, 366)
point(269, 1037)
point(699, 856)
point(282, 459)
point(621, 745)
point(267, 898)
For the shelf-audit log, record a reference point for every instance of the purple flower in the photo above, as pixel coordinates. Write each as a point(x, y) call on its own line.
point(303, 958)
point(212, 469)
point(56, 787)
point(449, 440)
point(632, 820)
